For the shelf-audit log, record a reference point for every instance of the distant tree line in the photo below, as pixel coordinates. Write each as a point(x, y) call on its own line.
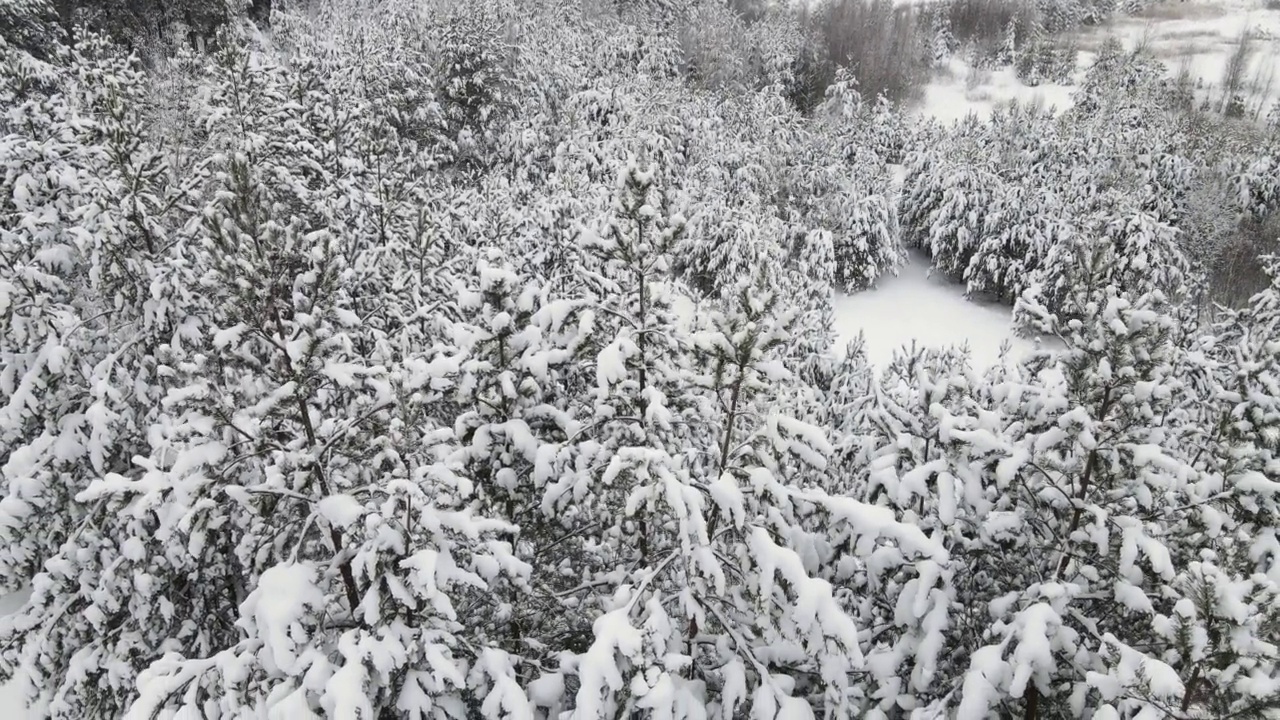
point(39, 25)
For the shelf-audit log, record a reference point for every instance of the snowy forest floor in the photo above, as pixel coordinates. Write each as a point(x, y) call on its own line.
point(10, 692)
point(927, 309)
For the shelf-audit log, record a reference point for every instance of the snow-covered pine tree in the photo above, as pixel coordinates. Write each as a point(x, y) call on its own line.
point(810, 351)
point(729, 247)
point(474, 78)
point(901, 466)
point(1060, 15)
point(517, 390)
point(949, 209)
point(884, 131)
point(943, 41)
point(911, 385)
point(1254, 183)
point(857, 208)
point(1114, 245)
point(1221, 632)
point(774, 40)
point(1025, 227)
point(73, 663)
point(849, 397)
point(28, 26)
point(621, 472)
point(88, 295)
point(1164, 179)
point(295, 457)
point(1100, 498)
point(1013, 41)
point(788, 662)
point(695, 497)
point(1123, 89)
point(868, 246)
point(47, 157)
point(1076, 465)
point(1148, 255)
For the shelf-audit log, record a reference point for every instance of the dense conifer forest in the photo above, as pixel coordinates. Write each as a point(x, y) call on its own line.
point(372, 359)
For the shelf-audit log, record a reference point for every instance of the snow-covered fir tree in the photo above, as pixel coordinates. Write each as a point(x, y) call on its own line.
point(481, 361)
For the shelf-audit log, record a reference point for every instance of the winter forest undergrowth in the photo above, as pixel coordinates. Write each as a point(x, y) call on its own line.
point(400, 359)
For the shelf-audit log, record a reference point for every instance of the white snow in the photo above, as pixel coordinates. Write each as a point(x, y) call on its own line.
point(11, 706)
point(284, 595)
point(1201, 36)
point(341, 510)
point(1198, 36)
point(11, 701)
point(961, 90)
point(929, 310)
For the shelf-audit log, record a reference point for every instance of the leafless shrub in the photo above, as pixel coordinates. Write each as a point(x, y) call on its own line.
point(973, 20)
point(1264, 79)
point(1233, 76)
point(1185, 83)
point(987, 23)
point(881, 44)
point(711, 48)
point(1227, 247)
point(1238, 275)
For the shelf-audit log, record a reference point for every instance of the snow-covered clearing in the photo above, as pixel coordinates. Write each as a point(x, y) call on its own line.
point(930, 310)
point(1196, 36)
point(11, 702)
point(1201, 37)
point(961, 90)
point(11, 706)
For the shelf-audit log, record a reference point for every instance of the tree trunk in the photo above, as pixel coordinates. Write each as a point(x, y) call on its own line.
point(260, 12)
point(66, 10)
